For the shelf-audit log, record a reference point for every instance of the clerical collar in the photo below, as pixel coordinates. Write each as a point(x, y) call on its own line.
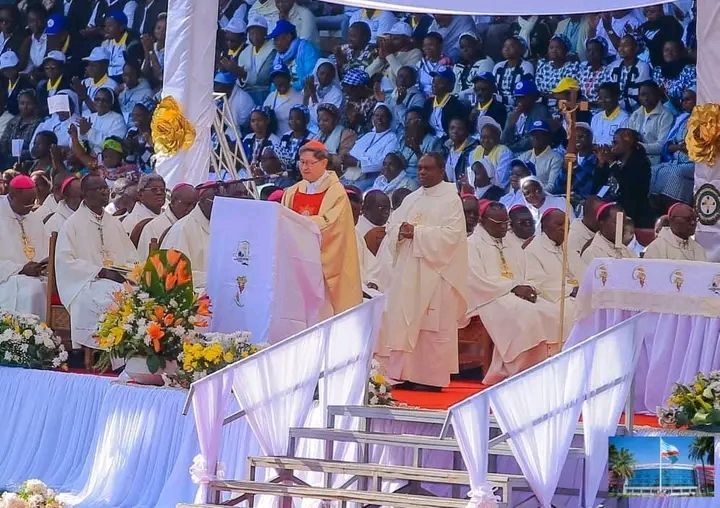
point(674, 239)
point(312, 187)
point(93, 215)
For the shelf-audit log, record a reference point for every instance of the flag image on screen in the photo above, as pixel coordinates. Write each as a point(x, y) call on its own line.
point(669, 452)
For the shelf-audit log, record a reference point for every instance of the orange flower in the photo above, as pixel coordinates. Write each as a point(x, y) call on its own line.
point(204, 306)
point(170, 281)
point(173, 256)
point(159, 268)
point(181, 272)
point(201, 323)
point(156, 333)
point(169, 319)
point(159, 312)
point(179, 321)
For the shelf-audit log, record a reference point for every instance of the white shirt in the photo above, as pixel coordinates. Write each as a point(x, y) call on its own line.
point(370, 150)
point(104, 126)
point(550, 202)
point(603, 128)
point(282, 104)
point(92, 90)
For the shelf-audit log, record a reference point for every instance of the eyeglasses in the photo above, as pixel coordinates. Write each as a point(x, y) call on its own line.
point(499, 222)
point(309, 163)
point(524, 222)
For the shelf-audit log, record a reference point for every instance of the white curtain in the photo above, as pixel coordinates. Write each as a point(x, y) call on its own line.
point(188, 77)
point(471, 426)
point(613, 358)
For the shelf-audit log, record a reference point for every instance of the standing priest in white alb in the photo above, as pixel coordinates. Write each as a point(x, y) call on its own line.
point(90, 244)
point(23, 255)
point(426, 293)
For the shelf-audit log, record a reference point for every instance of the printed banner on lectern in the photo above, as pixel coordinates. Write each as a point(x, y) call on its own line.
point(264, 271)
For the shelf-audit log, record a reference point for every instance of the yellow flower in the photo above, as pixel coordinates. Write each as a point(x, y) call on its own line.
point(378, 379)
point(228, 357)
point(117, 335)
point(703, 133)
point(171, 131)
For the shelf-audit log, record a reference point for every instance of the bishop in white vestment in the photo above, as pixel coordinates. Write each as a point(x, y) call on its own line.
point(89, 243)
point(603, 244)
point(71, 199)
point(151, 198)
point(427, 239)
point(676, 241)
point(523, 328)
point(24, 251)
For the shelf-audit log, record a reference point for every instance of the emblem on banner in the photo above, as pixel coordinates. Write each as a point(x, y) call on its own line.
point(241, 284)
point(601, 273)
point(639, 275)
point(677, 278)
point(707, 204)
point(715, 284)
point(242, 253)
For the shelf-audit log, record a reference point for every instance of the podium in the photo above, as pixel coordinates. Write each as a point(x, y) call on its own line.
point(264, 271)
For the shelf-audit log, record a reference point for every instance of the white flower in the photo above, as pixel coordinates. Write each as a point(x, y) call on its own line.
point(36, 501)
point(63, 356)
point(10, 500)
point(56, 362)
point(49, 343)
point(382, 389)
point(27, 334)
point(8, 356)
point(35, 487)
point(24, 348)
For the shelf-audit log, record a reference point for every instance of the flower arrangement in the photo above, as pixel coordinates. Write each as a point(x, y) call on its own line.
point(153, 318)
point(379, 390)
point(695, 404)
point(703, 133)
point(32, 494)
point(212, 352)
point(171, 130)
point(26, 341)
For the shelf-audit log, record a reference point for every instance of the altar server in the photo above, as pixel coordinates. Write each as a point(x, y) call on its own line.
point(603, 243)
point(676, 242)
point(426, 291)
point(71, 199)
point(23, 255)
point(371, 231)
point(90, 244)
point(321, 197)
point(183, 199)
point(151, 198)
point(523, 328)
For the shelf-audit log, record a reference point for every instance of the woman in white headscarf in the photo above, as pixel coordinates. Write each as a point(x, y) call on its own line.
point(537, 200)
point(59, 123)
point(481, 177)
point(323, 87)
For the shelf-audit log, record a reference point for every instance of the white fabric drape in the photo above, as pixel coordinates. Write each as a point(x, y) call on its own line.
point(188, 77)
point(491, 7)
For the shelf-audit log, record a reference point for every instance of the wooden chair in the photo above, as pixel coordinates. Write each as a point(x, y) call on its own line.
point(154, 245)
point(162, 236)
point(475, 347)
point(58, 318)
point(137, 231)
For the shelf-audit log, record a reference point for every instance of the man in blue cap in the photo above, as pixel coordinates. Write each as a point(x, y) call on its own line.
point(100, 12)
point(548, 163)
point(76, 12)
point(299, 55)
point(118, 41)
point(527, 110)
point(443, 106)
point(485, 103)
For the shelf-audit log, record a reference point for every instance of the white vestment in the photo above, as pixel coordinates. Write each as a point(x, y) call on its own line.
point(520, 330)
point(58, 218)
point(19, 293)
point(139, 213)
point(85, 245)
point(670, 246)
point(191, 236)
point(426, 288)
point(368, 261)
point(48, 206)
point(601, 247)
point(155, 229)
point(579, 236)
point(544, 273)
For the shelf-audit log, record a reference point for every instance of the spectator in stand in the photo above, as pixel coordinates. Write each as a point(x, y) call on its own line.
point(298, 55)
point(139, 137)
point(536, 31)
point(651, 120)
point(337, 139)
point(41, 152)
point(527, 111)
point(675, 73)
point(256, 61)
point(146, 15)
point(60, 122)
point(628, 71)
point(71, 45)
point(538, 200)
point(322, 87)
point(76, 13)
point(673, 178)
point(104, 123)
point(395, 50)
point(267, 9)
point(575, 27)
point(288, 148)
point(485, 102)
point(584, 169)
point(23, 127)
point(359, 101)
point(283, 98)
point(405, 96)
point(512, 70)
point(393, 175)
point(417, 140)
point(36, 23)
point(556, 67)
point(518, 170)
point(458, 147)
point(262, 126)
point(548, 163)
point(613, 26)
point(13, 81)
point(625, 169)
point(358, 51)
point(451, 28)
point(134, 90)
point(234, 41)
point(491, 149)
point(657, 31)
point(95, 26)
point(12, 35)
point(56, 77)
point(481, 179)
point(229, 9)
point(97, 79)
point(593, 72)
point(154, 52)
point(432, 60)
point(472, 62)
point(443, 106)
point(301, 17)
point(611, 116)
point(239, 102)
point(379, 21)
point(118, 43)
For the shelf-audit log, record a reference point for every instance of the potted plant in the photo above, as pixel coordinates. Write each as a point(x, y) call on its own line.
point(695, 405)
point(150, 320)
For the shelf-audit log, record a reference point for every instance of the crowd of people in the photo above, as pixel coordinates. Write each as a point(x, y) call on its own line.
point(440, 121)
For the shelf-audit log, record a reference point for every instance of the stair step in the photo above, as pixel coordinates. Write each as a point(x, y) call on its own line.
point(390, 413)
point(376, 498)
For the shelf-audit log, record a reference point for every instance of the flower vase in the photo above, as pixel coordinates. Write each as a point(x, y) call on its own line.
point(137, 371)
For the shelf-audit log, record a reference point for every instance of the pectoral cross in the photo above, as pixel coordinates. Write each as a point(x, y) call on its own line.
point(505, 271)
point(28, 248)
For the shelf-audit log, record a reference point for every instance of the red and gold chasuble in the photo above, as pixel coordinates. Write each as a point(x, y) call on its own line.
point(307, 204)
